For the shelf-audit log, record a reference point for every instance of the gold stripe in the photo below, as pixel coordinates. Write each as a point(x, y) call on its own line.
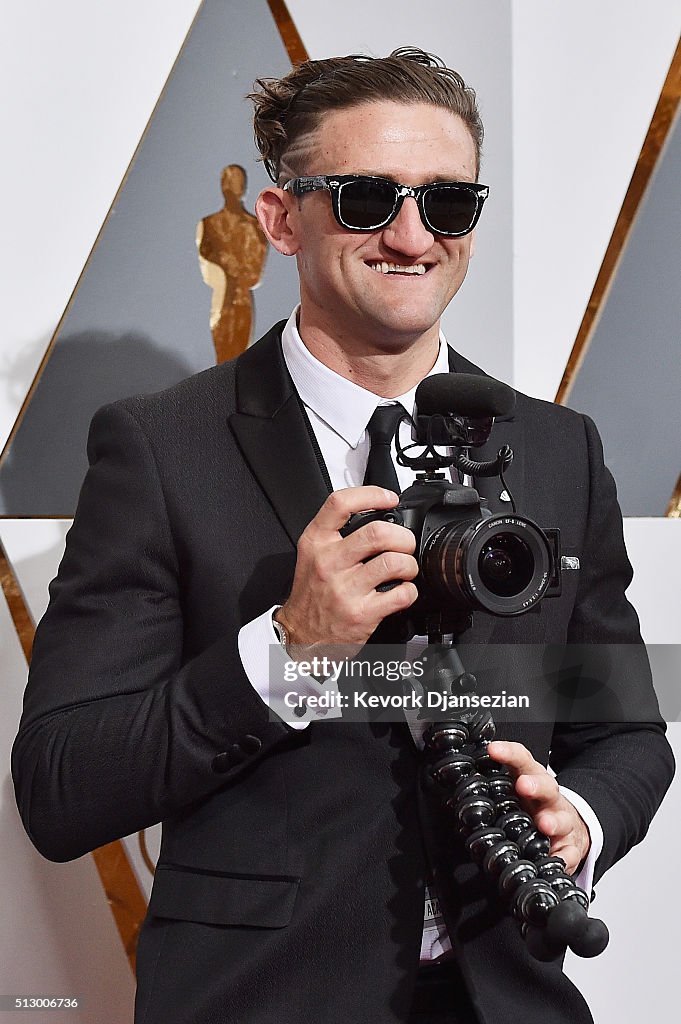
point(124, 896)
point(290, 36)
point(662, 120)
point(144, 851)
point(16, 602)
point(123, 893)
point(674, 507)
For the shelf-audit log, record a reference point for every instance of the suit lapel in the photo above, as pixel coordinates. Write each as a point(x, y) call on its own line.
point(274, 436)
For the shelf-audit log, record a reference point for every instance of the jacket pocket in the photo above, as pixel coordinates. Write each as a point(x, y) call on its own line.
point(186, 894)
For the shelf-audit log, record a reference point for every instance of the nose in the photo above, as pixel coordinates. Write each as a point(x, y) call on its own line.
point(407, 234)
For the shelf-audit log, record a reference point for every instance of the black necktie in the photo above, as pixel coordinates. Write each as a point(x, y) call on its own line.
point(381, 429)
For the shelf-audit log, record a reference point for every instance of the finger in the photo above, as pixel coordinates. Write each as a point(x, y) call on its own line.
point(540, 788)
point(385, 547)
point(374, 539)
point(569, 853)
point(516, 756)
point(395, 600)
point(340, 505)
point(390, 565)
point(556, 824)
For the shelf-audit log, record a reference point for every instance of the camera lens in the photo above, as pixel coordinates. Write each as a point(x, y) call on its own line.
point(499, 563)
point(505, 565)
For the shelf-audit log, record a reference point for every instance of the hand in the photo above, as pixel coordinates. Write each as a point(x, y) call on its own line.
point(551, 812)
point(334, 598)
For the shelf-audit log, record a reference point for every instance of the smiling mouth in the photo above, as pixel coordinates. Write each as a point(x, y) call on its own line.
point(414, 270)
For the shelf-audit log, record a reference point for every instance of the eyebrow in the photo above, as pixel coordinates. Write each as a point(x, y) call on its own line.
point(435, 179)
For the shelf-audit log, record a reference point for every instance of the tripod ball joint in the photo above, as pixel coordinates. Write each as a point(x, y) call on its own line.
point(481, 728)
point(498, 857)
point(446, 736)
point(534, 901)
point(474, 785)
point(474, 813)
point(515, 823)
point(534, 843)
point(514, 875)
point(448, 771)
point(481, 841)
point(551, 867)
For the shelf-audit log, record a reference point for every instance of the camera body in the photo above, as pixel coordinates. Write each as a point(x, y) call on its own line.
point(468, 557)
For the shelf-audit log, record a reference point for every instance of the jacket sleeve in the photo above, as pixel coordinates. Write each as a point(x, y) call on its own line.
point(622, 763)
point(118, 730)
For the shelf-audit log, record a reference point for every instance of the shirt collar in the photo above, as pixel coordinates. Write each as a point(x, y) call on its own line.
point(343, 405)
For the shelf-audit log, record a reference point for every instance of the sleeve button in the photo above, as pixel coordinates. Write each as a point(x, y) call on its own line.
point(251, 744)
point(221, 763)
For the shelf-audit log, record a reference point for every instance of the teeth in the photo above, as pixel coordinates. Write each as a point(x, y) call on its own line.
point(394, 268)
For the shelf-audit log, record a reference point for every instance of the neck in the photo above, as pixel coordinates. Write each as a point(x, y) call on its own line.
point(386, 367)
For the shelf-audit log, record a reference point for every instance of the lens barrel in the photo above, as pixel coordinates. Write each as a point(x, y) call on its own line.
point(500, 563)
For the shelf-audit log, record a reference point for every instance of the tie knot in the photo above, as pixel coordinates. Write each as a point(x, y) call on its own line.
point(383, 424)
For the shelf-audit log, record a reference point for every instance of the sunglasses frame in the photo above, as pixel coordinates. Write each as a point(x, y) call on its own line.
point(334, 184)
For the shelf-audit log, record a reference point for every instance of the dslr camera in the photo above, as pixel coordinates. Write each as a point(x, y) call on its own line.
point(468, 558)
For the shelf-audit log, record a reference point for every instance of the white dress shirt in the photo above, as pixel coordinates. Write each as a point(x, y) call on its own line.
point(339, 411)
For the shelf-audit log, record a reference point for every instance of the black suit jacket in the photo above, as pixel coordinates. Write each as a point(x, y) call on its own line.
point(290, 879)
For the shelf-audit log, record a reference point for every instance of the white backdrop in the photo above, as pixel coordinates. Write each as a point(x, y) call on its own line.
point(567, 90)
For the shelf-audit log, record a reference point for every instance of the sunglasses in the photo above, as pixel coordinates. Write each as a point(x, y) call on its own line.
point(364, 203)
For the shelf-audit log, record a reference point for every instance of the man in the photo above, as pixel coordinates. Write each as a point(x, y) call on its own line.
point(290, 883)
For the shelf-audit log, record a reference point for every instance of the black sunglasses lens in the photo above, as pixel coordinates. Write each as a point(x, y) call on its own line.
point(366, 204)
point(450, 210)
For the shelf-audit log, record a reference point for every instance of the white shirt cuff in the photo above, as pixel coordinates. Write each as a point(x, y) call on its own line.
point(272, 675)
point(584, 879)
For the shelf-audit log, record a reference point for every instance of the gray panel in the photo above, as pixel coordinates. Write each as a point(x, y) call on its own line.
point(139, 320)
point(479, 320)
point(630, 381)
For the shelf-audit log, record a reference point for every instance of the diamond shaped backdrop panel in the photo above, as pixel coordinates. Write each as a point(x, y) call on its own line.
point(630, 379)
point(139, 318)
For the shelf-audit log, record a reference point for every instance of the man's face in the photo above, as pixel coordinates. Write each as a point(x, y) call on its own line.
point(343, 294)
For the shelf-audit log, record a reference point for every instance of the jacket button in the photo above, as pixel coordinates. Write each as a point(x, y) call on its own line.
point(221, 763)
point(251, 744)
point(237, 754)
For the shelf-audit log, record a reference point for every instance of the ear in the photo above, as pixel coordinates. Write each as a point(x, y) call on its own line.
point(273, 208)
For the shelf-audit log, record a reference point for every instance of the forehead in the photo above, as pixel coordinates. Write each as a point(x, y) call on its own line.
point(412, 143)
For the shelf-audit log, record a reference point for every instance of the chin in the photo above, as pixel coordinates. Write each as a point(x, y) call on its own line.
point(402, 324)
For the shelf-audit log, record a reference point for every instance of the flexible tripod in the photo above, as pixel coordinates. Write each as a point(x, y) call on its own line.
point(477, 794)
